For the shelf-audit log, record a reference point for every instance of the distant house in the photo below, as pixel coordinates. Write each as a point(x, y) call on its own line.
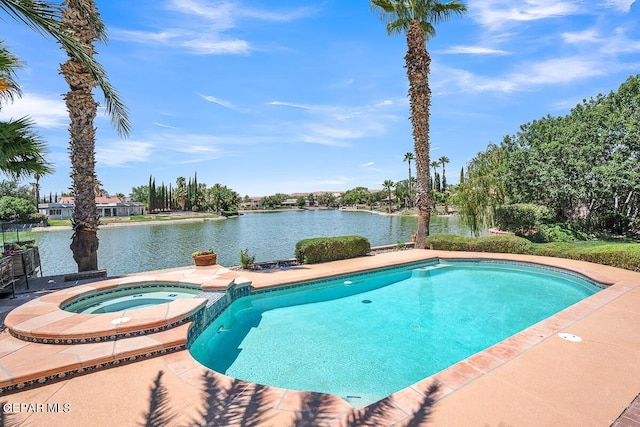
point(107, 207)
point(252, 203)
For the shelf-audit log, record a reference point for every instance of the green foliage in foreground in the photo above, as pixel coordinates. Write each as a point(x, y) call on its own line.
point(520, 218)
point(622, 255)
point(324, 249)
point(12, 208)
point(246, 260)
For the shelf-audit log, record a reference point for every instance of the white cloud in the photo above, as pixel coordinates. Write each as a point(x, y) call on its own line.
point(223, 13)
point(211, 46)
point(384, 103)
point(473, 50)
point(288, 16)
point(218, 101)
point(45, 112)
point(455, 80)
point(620, 43)
point(292, 105)
point(204, 30)
point(369, 166)
point(496, 14)
point(531, 75)
point(619, 5)
point(196, 42)
point(120, 153)
point(337, 125)
point(162, 125)
point(586, 36)
point(561, 70)
point(315, 139)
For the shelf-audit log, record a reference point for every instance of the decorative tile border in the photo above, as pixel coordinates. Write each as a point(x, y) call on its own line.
point(111, 337)
point(204, 317)
point(88, 369)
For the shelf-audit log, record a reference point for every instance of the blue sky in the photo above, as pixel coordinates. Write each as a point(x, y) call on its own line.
point(311, 95)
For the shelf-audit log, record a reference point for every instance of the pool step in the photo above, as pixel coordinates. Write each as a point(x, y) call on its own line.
point(54, 362)
point(428, 270)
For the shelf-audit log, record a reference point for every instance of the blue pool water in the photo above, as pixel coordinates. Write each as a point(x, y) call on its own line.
point(366, 336)
point(132, 297)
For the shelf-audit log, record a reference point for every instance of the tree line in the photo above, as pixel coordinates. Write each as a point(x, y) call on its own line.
point(584, 168)
point(187, 195)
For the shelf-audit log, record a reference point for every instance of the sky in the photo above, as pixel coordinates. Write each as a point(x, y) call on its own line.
point(311, 95)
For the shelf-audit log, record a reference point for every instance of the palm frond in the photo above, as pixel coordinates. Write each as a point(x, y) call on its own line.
point(398, 14)
point(9, 63)
point(22, 150)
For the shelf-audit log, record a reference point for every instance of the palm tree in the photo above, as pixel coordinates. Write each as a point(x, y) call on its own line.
point(407, 158)
point(21, 150)
point(417, 18)
point(181, 192)
point(81, 20)
point(388, 185)
point(434, 165)
point(443, 161)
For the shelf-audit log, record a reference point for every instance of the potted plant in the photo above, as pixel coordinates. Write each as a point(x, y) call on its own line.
point(205, 257)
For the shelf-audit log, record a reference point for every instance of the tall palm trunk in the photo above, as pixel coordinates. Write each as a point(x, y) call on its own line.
point(417, 62)
point(409, 183)
point(82, 111)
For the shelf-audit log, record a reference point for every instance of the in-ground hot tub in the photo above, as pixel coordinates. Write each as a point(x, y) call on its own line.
point(133, 296)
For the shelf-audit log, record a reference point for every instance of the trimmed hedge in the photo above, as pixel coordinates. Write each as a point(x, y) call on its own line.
point(323, 249)
point(521, 218)
point(500, 244)
point(622, 255)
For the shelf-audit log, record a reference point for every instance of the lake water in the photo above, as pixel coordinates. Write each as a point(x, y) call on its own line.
point(268, 236)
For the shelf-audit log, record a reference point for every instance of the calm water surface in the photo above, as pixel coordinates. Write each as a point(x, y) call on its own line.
point(268, 236)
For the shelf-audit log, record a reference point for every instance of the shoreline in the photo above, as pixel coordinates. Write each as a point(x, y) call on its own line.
point(129, 223)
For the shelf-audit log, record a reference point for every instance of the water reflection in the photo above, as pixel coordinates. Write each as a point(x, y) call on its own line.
point(272, 236)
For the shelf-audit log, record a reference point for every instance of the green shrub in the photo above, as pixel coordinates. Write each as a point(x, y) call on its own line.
point(561, 232)
point(623, 255)
point(448, 242)
point(521, 218)
point(323, 249)
point(246, 260)
point(501, 244)
point(12, 208)
point(556, 249)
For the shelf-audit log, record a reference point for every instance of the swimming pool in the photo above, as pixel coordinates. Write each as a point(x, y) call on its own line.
point(366, 336)
point(133, 296)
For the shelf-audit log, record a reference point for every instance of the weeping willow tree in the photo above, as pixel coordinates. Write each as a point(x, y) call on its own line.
point(483, 189)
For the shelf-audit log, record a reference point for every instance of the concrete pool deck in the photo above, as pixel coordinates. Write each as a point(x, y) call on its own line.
point(534, 378)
